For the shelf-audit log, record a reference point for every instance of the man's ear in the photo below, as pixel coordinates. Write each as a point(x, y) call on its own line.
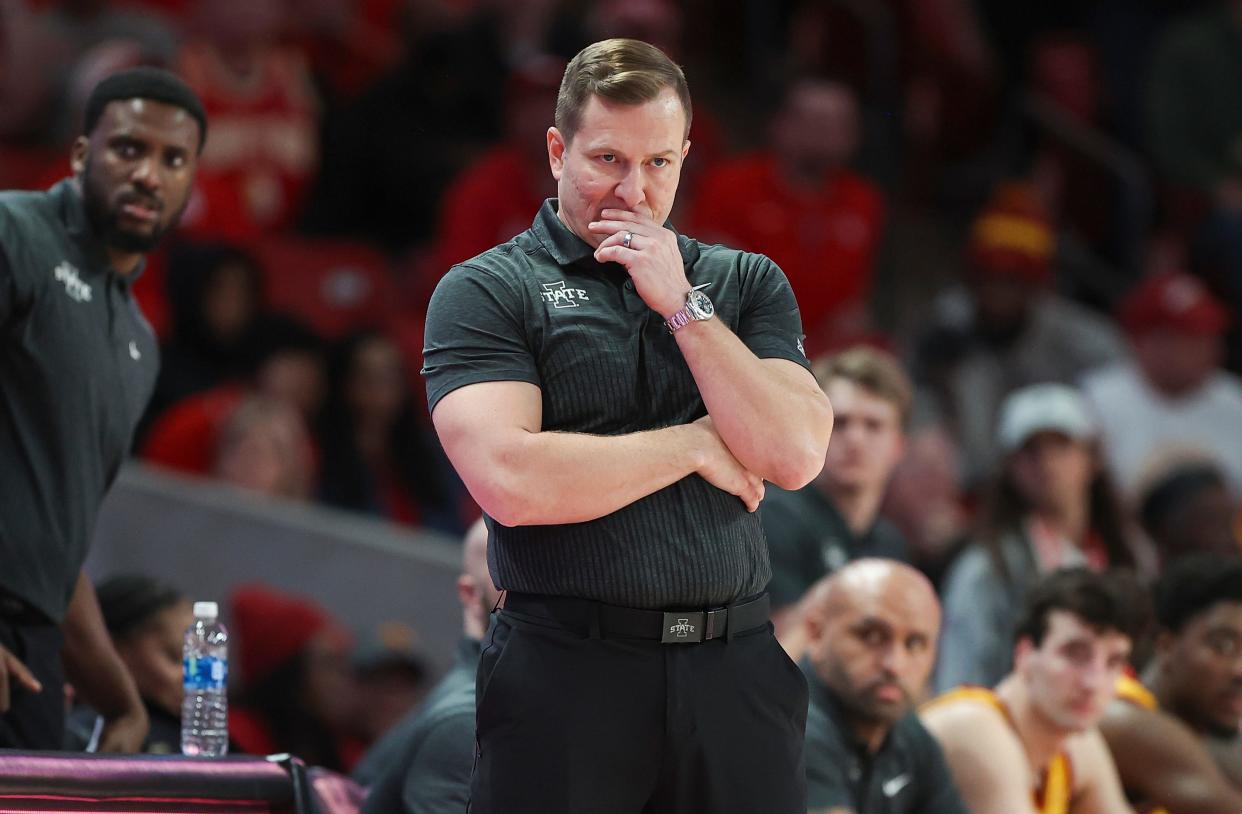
point(77, 154)
point(813, 625)
point(1164, 644)
point(558, 145)
point(467, 591)
point(1022, 652)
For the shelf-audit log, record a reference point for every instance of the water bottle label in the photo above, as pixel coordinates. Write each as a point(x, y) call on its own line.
point(205, 673)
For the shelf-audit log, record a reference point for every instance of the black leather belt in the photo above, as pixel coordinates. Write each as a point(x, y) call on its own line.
point(667, 627)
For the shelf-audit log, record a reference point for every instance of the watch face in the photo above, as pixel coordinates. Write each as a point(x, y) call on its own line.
point(699, 305)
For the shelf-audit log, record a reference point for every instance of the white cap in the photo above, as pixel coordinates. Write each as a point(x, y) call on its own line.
point(206, 610)
point(1044, 408)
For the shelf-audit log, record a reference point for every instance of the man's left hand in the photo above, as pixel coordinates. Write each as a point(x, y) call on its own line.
point(125, 733)
point(652, 258)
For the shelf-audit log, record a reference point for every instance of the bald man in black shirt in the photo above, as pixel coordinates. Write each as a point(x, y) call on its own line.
point(871, 632)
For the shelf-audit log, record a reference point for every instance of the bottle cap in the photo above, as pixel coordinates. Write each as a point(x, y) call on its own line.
point(206, 610)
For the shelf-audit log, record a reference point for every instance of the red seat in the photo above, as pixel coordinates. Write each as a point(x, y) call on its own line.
point(31, 167)
point(184, 436)
point(335, 286)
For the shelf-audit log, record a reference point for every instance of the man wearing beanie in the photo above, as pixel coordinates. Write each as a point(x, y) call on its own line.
point(1007, 327)
point(296, 693)
point(1174, 397)
point(77, 365)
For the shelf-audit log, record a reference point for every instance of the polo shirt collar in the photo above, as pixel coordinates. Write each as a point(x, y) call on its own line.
point(468, 652)
point(568, 249)
point(78, 225)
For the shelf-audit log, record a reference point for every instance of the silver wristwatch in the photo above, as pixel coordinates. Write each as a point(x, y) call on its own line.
point(698, 306)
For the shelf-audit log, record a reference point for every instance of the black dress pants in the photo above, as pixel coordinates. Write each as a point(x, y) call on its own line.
point(571, 721)
point(35, 720)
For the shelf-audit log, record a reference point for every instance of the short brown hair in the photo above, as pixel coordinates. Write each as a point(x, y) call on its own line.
point(629, 72)
point(1111, 601)
point(873, 370)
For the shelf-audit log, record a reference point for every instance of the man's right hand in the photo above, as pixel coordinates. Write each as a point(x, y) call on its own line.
point(12, 669)
point(722, 470)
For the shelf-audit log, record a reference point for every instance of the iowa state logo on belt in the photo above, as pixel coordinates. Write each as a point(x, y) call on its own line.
point(682, 629)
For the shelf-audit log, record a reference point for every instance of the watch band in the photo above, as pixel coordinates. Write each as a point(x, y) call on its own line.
point(679, 320)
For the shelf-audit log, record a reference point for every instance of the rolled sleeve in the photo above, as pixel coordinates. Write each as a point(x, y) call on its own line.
point(769, 323)
point(475, 333)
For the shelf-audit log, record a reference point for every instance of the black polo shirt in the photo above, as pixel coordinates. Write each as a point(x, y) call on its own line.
point(77, 366)
point(540, 309)
point(423, 764)
point(808, 538)
point(907, 775)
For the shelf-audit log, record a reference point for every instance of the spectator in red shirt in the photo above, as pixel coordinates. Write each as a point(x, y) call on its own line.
point(286, 369)
point(297, 693)
point(799, 203)
point(265, 147)
point(263, 447)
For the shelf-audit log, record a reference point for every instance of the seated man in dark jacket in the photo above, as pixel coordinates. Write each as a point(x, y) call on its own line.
point(423, 765)
point(871, 631)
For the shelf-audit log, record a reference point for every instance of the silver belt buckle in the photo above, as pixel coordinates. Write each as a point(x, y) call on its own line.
point(683, 627)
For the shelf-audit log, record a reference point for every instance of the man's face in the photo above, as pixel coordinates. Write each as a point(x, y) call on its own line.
point(1204, 522)
point(152, 654)
point(1204, 667)
point(867, 438)
point(377, 385)
point(622, 157)
point(294, 377)
point(329, 688)
point(876, 651)
point(1052, 470)
point(1072, 674)
point(137, 170)
point(818, 129)
point(1177, 363)
point(1003, 304)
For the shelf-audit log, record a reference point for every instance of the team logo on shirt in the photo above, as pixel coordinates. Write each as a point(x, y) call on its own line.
point(77, 290)
point(893, 786)
point(562, 297)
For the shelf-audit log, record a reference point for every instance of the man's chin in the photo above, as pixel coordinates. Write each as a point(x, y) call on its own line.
point(1077, 722)
point(886, 710)
point(133, 242)
point(1226, 727)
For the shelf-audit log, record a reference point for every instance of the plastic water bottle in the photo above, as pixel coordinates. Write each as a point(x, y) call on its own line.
point(205, 665)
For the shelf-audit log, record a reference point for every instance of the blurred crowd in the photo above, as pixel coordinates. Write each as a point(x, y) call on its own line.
point(999, 200)
point(1014, 231)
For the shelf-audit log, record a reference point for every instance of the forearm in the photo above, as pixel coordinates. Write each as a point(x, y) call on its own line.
point(91, 662)
point(775, 425)
point(539, 478)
